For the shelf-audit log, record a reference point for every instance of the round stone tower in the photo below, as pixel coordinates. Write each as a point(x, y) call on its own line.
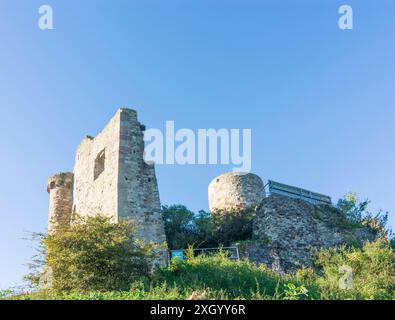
point(235, 190)
point(60, 189)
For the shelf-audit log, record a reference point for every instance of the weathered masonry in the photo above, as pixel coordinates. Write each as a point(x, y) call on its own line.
point(111, 177)
point(235, 190)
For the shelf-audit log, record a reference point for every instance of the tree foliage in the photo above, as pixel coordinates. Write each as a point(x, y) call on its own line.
point(180, 226)
point(231, 226)
point(352, 208)
point(183, 227)
point(357, 214)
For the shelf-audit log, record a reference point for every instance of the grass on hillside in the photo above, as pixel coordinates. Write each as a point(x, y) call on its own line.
point(218, 277)
point(210, 277)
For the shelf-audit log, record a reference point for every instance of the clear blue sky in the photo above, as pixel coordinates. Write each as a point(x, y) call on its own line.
point(319, 100)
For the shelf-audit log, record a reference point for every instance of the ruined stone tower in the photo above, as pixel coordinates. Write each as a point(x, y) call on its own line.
point(112, 178)
point(60, 189)
point(235, 190)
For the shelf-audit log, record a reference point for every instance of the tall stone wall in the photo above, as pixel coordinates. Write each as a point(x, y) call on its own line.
point(112, 178)
point(235, 190)
point(60, 189)
point(138, 194)
point(96, 192)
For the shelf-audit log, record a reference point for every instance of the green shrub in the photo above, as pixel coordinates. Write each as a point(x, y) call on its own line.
point(372, 271)
point(356, 215)
point(293, 292)
point(6, 293)
point(306, 274)
point(92, 253)
point(351, 208)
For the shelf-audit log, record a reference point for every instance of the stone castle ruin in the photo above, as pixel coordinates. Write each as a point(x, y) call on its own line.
point(286, 230)
point(111, 177)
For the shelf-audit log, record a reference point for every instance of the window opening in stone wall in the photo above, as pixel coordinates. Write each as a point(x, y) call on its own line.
point(99, 164)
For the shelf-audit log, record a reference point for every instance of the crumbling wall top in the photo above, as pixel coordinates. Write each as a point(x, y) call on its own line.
point(60, 179)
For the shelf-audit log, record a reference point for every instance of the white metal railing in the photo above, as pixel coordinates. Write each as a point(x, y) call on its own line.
point(297, 193)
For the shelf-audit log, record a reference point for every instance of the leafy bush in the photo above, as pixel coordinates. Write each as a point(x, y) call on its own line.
point(351, 208)
point(293, 292)
point(372, 271)
point(357, 215)
point(6, 293)
point(92, 253)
